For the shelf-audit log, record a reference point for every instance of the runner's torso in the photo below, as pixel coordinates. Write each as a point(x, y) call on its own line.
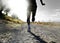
point(32, 2)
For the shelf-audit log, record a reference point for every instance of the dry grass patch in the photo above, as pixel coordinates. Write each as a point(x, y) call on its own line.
point(10, 19)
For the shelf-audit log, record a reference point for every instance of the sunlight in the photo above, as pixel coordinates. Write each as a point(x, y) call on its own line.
point(18, 7)
point(44, 13)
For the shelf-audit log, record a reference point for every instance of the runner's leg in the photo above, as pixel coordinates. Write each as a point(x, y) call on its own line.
point(33, 14)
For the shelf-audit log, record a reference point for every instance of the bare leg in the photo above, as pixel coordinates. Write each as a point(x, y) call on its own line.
point(28, 17)
point(33, 14)
point(28, 20)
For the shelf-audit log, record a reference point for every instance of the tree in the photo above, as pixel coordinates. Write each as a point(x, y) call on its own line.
point(14, 16)
point(7, 10)
point(1, 9)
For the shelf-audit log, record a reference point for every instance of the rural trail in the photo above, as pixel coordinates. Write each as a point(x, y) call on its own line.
point(18, 34)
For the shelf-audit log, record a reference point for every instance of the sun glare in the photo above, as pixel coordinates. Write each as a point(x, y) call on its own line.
point(18, 7)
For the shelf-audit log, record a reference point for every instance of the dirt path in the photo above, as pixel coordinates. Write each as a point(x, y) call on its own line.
point(19, 34)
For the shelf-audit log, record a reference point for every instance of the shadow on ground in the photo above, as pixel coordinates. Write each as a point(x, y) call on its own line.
point(35, 36)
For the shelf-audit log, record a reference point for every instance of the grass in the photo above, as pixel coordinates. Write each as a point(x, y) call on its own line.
point(48, 24)
point(12, 20)
point(9, 19)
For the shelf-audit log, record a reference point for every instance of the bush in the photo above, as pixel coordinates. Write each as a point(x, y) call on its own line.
point(14, 16)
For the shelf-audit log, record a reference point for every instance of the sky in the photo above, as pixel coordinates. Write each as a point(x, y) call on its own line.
point(48, 13)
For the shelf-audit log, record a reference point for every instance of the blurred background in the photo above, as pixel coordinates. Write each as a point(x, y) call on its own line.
point(48, 13)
